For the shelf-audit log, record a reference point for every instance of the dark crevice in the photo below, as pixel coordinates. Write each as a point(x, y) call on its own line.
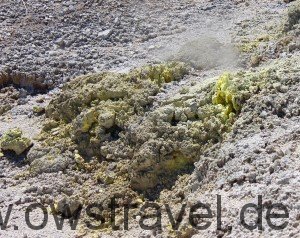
point(174, 122)
point(114, 132)
point(167, 182)
point(280, 113)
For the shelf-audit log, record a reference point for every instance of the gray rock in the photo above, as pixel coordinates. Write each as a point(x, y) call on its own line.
point(105, 34)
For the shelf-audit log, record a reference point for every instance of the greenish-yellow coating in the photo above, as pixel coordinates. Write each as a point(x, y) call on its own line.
point(14, 141)
point(96, 108)
point(109, 118)
point(226, 95)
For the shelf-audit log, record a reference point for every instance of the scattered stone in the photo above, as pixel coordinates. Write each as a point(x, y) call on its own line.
point(68, 206)
point(105, 34)
point(38, 110)
point(255, 60)
point(14, 141)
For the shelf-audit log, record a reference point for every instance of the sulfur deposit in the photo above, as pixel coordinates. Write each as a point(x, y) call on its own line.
point(108, 118)
point(14, 141)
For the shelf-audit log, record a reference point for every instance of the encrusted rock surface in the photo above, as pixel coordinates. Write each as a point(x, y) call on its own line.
point(14, 141)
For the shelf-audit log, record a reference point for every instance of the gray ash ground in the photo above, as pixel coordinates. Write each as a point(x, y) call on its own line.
point(57, 40)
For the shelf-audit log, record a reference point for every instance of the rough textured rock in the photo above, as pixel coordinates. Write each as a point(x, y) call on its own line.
point(293, 18)
point(276, 39)
point(95, 110)
point(107, 117)
point(8, 98)
point(21, 80)
point(14, 141)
